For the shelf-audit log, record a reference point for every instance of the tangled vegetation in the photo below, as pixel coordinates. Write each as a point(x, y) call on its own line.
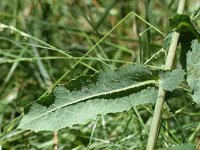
point(100, 74)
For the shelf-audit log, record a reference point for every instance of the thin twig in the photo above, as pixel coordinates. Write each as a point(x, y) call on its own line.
point(55, 140)
point(92, 134)
point(155, 55)
point(155, 125)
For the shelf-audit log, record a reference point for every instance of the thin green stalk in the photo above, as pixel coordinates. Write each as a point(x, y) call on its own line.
point(155, 125)
point(126, 127)
point(140, 119)
point(92, 133)
point(156, 29)
point(29, 59)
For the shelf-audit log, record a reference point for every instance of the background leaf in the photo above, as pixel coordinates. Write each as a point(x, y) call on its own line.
point(193, 65)
point(170, 80)
point(167, 41)
point(181, 23)
point(181, 147)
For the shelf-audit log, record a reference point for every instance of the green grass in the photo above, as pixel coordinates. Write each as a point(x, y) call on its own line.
point(82, 38)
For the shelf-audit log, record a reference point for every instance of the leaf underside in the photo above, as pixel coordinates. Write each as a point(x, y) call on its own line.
point(170, 80)
point(83, 111)
point(193, 65)
point(88, 96)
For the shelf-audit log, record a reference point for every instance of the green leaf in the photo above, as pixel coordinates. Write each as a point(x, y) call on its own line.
point(181, 23)
point(193, 65)
point(181, 147)
point(167, 41)
point(88, 96)
point(170, 80)
point(82, 112)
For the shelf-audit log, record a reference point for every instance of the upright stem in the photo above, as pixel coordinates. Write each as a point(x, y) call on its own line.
point(155, 125)
point(55, 140)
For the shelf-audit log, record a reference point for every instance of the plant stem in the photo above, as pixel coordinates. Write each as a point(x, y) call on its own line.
point(155, 125)
point(55, 140)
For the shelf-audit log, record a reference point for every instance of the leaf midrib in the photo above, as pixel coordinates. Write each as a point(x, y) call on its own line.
point(96, 95)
